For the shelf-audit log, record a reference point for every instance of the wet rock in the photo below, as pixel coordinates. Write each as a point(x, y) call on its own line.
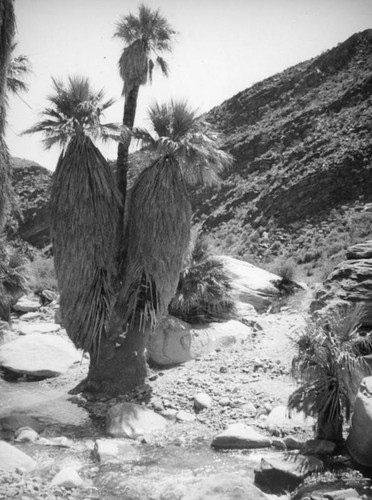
point(284, 472)
point(222, 487)
point(26, 435)
point(318, 447)
point(12, 459)
point(29, 328)
point(131, 421)
point(359, 441)
point(176, 342)
point(241, 436)
point(293, 443)
point(40, 355)
point(58, 441)
point(279, 444)
point(27, 303)
point(68, 478)
point(111, 449)
point(15, 421)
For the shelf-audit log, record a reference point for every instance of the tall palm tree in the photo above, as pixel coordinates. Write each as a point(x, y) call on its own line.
point(157, 237)
point(19, 68)
point(7, 30)
point(329, 367)
point(146, 37)
point(84, 209)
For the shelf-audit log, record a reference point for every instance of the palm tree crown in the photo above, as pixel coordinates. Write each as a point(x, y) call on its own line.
point(188, 138)
point(75, 107)
point(146, 37)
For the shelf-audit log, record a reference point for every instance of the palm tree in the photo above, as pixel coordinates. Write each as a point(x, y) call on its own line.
point(146, 37)
point(157, 238)
point(84, 209)
point(7, 30)
point(329, 366)
point(19, 68)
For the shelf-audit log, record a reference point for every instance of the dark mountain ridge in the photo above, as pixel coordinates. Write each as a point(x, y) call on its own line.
point(301, 141)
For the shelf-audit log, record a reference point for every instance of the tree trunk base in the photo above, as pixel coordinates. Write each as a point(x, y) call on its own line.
point(120, 367)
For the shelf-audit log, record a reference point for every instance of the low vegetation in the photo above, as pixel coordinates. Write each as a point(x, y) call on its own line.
point(329, 366)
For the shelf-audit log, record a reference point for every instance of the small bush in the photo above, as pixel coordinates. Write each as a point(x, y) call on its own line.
point(41, 275)
point(12, 282)
point(286, 269)
point(204, 291)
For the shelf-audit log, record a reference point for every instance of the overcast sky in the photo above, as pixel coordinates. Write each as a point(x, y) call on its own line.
point(222, 47)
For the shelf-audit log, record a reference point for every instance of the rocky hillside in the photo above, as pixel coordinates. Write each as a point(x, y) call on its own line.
point(302, 145)
point(30, 218)
point(301, 184)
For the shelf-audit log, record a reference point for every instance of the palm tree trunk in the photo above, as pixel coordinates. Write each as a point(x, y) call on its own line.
point(330, 429)
point(120, 367)
point(130, 107)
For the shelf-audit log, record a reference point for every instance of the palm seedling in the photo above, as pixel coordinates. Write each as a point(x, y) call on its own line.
point(329, 367)
point(204, 291)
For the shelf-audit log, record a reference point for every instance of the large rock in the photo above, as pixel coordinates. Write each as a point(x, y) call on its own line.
point(14, 421)
point(11, 458)
point(27, 303)
point(240, 436)
point(175, 341)
point(39, 355)
point(285, 471)
point(351, 281)
point(131, 421)
point(359, 441)
point(252, 284)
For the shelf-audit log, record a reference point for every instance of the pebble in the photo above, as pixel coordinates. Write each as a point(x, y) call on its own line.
point(202, 401)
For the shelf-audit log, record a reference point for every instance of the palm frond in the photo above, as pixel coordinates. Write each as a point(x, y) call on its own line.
point(84, 208)
point(158, 234)
point(19, 68)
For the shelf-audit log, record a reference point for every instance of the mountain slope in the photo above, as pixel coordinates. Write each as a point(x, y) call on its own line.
point(302, 145)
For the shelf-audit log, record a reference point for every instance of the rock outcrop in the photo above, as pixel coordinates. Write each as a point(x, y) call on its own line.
point(359, 442)
point(351, 281)
point(31, 184)
point(176, 341)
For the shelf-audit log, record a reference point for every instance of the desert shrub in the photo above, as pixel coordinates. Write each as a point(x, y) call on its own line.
point(285, 269)
point(12, 282)
point(204, 291)
point(41, 275)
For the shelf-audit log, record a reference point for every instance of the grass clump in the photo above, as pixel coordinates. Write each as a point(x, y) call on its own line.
point(41, 274)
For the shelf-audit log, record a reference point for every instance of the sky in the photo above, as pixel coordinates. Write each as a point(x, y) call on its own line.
point(222, 47)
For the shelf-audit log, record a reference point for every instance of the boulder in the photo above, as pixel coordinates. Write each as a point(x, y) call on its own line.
point(27, 328)
point(285, 420)
point(351, 281)
point(131, 421)
point(176, 341)
point(27, 303)
point(39, 355)
point(252, 284)
point(67, 478)
point(11, 459)
point(15, 421)
point(283, 472)
point(26, 435)
point(241, 436)
point(359, 441)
